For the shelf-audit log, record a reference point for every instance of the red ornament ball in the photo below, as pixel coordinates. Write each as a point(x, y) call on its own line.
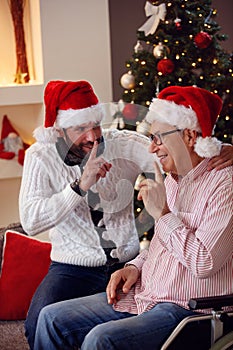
point(202, 40)
point(165, 66)
point(130, 111)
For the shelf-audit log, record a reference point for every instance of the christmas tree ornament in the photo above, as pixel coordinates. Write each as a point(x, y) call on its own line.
point(127, 80)
point(115, 110)
point(114, 124)
point(177, 22)
point(118, 123)
point(165, 66)
point(160, 50)
point(138, 47)
point(145, 243)
point(157, 13)
point(121, 105)
point(139, 179)
point(207, 20)
point(121, 123)
point(202, 40)
point(130, 111)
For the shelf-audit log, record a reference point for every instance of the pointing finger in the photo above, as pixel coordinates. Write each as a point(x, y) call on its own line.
point(94, 151)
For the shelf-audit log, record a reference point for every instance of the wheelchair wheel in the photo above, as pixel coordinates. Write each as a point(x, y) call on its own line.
point(224, 343)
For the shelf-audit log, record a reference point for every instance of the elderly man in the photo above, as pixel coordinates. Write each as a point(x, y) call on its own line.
point(191, 250)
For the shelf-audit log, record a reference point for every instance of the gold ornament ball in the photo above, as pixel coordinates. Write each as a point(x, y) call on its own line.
point(128, 81)
point(160, 50)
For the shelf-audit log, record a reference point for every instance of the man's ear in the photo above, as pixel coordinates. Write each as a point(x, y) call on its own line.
point(60, 132)
point(190, 136)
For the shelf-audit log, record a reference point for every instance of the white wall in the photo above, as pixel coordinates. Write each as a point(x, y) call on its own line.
point(75, 45)
point(76, 42)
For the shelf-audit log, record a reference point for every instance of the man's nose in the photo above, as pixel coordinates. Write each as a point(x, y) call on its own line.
point(153, 148)
point(90, 135)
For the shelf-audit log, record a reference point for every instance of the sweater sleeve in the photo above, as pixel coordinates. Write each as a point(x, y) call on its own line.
point(135, 147)
point(43, 200)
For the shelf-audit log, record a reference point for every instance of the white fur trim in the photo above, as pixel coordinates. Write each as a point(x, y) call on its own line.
point(207, 147)
point(173, 114)
point(73, 117)
point(45, 135)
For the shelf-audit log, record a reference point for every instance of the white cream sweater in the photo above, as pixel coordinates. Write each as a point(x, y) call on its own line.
point(46, 200)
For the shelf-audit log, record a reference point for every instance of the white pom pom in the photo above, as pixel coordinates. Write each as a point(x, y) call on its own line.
point(45, 135)
point(207, 147)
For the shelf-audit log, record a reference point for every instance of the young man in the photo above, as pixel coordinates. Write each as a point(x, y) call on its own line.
point(78, 182)
point(190, 253)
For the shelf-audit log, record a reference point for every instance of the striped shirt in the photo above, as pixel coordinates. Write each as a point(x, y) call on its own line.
point(191, 252)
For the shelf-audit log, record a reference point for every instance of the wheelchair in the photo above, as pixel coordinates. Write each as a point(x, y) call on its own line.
point(213, 331)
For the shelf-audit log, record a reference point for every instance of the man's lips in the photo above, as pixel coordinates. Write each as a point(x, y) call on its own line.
point(87, 146)
point(162, 157)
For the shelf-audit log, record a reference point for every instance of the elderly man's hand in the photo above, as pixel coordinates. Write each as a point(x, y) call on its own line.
point(153, 194)
point(122, 279)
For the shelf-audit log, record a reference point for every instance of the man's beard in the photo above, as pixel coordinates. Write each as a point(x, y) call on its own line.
point(75, 155)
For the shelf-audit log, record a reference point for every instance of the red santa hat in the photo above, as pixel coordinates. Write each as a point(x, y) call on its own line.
point(192, 108)
point(67, 103)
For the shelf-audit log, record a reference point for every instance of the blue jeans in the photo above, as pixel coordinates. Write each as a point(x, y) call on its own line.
point(63, 282)
point(90, 323)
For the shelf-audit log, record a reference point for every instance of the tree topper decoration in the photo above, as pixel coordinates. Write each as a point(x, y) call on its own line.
point(157, 13)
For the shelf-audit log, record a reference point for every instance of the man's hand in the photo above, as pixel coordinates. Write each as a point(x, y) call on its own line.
point(95, 168)
point(223, 160)
point(153, 194)
point(122, 279)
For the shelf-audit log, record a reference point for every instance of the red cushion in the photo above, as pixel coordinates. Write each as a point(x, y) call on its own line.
point(25, 262)
point(7, 155)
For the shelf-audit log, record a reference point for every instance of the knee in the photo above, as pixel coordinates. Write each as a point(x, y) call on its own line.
point(46, 316)
point(100, 337)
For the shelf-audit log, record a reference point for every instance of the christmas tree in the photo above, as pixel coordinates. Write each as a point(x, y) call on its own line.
point(179, 44)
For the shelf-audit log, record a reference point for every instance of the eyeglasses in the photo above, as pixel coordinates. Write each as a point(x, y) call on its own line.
point(157, 137)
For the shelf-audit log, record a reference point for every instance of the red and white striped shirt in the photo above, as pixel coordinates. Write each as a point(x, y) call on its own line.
point(191, 252)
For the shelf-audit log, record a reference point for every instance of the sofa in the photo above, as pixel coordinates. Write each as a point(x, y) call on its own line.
point(18, 283)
